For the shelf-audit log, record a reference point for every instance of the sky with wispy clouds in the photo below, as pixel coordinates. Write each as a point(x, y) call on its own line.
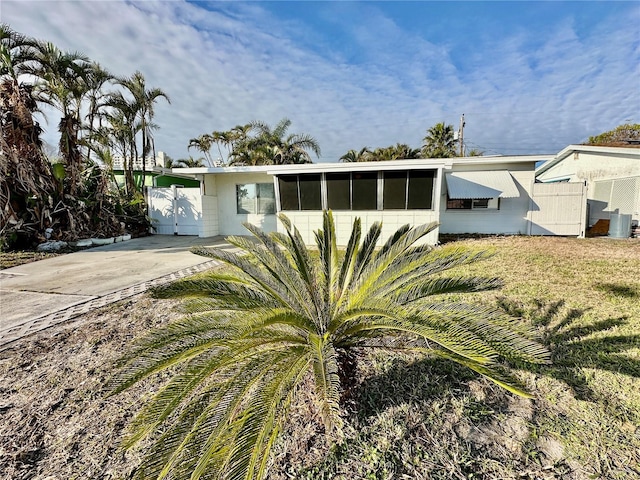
point(530, 77)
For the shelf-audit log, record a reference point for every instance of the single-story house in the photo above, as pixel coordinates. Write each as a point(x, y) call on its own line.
point(487, 195)
point(611, 175)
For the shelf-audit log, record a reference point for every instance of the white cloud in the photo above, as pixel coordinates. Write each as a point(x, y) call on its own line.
point(239, 63)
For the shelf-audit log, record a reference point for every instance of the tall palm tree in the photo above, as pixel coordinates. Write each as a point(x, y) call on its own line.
point(143, 102)
point(62, 84)
point(95, 79)
point(439, 142)
point(282, 314)
point(26, 178)
point(120, 133)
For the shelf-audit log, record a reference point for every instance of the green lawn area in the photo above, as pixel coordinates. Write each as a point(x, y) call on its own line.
point(417, 418)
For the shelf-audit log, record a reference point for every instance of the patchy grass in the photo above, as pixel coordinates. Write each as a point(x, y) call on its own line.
point(410, 417)
point(418, 418)
point(13, 259)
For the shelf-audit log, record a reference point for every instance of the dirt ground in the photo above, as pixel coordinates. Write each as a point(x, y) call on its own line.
point(55, 419)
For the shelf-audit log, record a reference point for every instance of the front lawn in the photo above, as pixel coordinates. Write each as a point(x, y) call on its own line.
point(410, 417)
point(421, 418)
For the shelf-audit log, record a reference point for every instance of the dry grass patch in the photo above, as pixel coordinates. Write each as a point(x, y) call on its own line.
point(411, 417)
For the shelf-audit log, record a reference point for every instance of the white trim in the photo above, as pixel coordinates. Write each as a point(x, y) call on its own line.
point(413, 164)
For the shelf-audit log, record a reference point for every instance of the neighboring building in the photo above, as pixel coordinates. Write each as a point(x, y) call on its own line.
point(489, 195)
point(611, 175)
point(155, 173)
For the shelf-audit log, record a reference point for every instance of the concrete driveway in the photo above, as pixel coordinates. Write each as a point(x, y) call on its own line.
point(40, 294)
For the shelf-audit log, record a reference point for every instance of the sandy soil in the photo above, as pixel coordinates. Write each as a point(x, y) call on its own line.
point(56, 421)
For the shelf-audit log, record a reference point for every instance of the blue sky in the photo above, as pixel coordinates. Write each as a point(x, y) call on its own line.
point(530, 77)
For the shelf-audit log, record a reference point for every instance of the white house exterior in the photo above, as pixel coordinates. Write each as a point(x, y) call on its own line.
point(611, 176)
point(489, 195)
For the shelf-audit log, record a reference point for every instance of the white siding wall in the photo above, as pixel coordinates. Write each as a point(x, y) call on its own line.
point(511, 218)
point(308, 222)
point(229, 221)
point(590, 166)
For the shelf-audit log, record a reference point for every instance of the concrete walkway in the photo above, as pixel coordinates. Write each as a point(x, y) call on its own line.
point(41, 294)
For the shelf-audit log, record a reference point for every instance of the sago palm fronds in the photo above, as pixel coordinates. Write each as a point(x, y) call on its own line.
point(280, 313)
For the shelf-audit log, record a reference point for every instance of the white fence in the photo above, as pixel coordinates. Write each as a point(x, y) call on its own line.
point(558, 209)
point(620, 195)
point(175, 210)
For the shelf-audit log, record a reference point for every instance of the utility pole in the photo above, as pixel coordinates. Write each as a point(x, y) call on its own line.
point(461, 135)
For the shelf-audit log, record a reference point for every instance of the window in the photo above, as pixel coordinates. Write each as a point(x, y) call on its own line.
point(408, 190)
point(338, 191)
point(473, 203)
point(352, 191)
point(300, 192)
point(288, 185)
point(364, 193)
point(399, 190)
point(255, 198)
point(420, 193)
point(394, 194)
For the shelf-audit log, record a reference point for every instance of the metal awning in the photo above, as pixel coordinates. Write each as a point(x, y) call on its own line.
point(483, 184)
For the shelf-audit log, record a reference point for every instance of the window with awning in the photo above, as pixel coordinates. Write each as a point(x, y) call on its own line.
point(479, 189)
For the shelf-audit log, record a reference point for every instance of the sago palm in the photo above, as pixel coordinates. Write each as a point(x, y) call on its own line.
point(281, 313)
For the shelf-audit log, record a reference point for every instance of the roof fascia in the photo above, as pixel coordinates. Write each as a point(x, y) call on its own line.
point(356, 166)
point(497, 160)
point(435, 163)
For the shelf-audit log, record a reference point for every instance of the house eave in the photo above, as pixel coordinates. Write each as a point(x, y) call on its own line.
point(435, 163)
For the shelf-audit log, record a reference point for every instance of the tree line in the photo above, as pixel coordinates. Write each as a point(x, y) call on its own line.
point(103, 116)
point(256, 143)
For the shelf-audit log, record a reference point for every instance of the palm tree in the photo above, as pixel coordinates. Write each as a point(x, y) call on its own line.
point(203, 144)
point(475, 152)
point(120, 133)
point(357, 156)
point(143, 102)
point(439, 142)
point(96, 78)
point(188, 163)
point(405, 152)
point(62, 84)
point(27, 184)
point(274, 146)
point(282, 314)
